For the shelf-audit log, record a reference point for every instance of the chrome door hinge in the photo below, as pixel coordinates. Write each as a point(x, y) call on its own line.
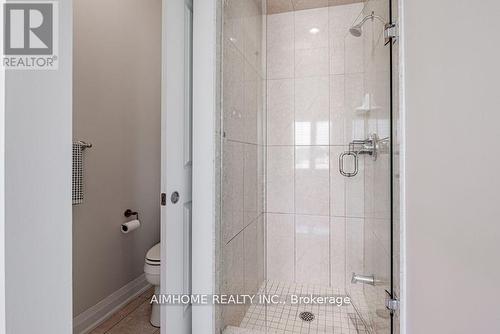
point(392, 302)
point(391, 33)
point(392, 305)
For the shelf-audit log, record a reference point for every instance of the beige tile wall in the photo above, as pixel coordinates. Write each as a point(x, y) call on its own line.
point(243, 123)
point(309, 124)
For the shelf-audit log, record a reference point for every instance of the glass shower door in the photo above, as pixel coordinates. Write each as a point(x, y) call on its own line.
point(368, 206)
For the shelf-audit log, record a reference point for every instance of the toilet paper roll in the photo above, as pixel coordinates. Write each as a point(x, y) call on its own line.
point(130, 226)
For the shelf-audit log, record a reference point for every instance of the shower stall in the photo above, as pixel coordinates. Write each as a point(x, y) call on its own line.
point(307, 166)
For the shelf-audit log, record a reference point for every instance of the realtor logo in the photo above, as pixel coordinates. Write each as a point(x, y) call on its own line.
point(30, 35)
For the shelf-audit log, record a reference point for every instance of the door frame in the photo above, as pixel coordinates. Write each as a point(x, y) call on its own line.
point(3, 327)
point(204, 157)
point(174, 232)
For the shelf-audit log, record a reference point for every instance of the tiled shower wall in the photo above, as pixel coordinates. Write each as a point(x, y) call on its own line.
point(309, 124)
point(242, 243)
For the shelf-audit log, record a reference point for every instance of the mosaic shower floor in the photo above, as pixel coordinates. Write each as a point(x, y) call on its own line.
point(285, 318)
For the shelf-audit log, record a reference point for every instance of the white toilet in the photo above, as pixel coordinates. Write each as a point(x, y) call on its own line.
point(152, 271)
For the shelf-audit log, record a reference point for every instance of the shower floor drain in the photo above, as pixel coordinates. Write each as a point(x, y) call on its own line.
point(306, 316)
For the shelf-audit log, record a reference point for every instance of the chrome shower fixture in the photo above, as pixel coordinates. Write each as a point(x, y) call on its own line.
point(357, 30)
point(363, 279)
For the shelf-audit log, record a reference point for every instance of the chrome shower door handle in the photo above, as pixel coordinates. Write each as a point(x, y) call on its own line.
point(341, 164)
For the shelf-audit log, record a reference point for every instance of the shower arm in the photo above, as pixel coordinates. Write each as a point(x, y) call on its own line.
point(372, 16)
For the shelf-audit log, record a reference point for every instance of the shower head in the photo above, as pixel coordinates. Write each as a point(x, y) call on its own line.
point(357, 31)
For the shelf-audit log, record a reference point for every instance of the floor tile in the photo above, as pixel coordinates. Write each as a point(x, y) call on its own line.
point(284, 318)
point(133, 318)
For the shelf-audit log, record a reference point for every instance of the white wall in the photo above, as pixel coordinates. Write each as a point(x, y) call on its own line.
point(452, 160)
point(38, 194)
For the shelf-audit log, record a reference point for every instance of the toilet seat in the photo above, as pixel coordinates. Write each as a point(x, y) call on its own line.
point(153, 256)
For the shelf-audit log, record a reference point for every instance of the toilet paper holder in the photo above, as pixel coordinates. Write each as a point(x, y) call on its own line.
point(129, 213)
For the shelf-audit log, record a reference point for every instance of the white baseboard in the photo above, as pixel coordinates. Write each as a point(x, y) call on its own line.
point(91, 318)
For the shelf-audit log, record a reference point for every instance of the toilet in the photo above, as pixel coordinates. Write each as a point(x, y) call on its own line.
point(152, 271)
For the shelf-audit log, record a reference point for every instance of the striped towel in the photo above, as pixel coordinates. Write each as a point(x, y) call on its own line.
point(77, 173)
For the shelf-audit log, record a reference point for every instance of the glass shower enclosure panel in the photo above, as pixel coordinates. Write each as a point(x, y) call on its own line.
point(240, 236)
point(367, 166)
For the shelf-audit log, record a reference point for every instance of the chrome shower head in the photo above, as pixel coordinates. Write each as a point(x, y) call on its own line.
point(357, 30)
